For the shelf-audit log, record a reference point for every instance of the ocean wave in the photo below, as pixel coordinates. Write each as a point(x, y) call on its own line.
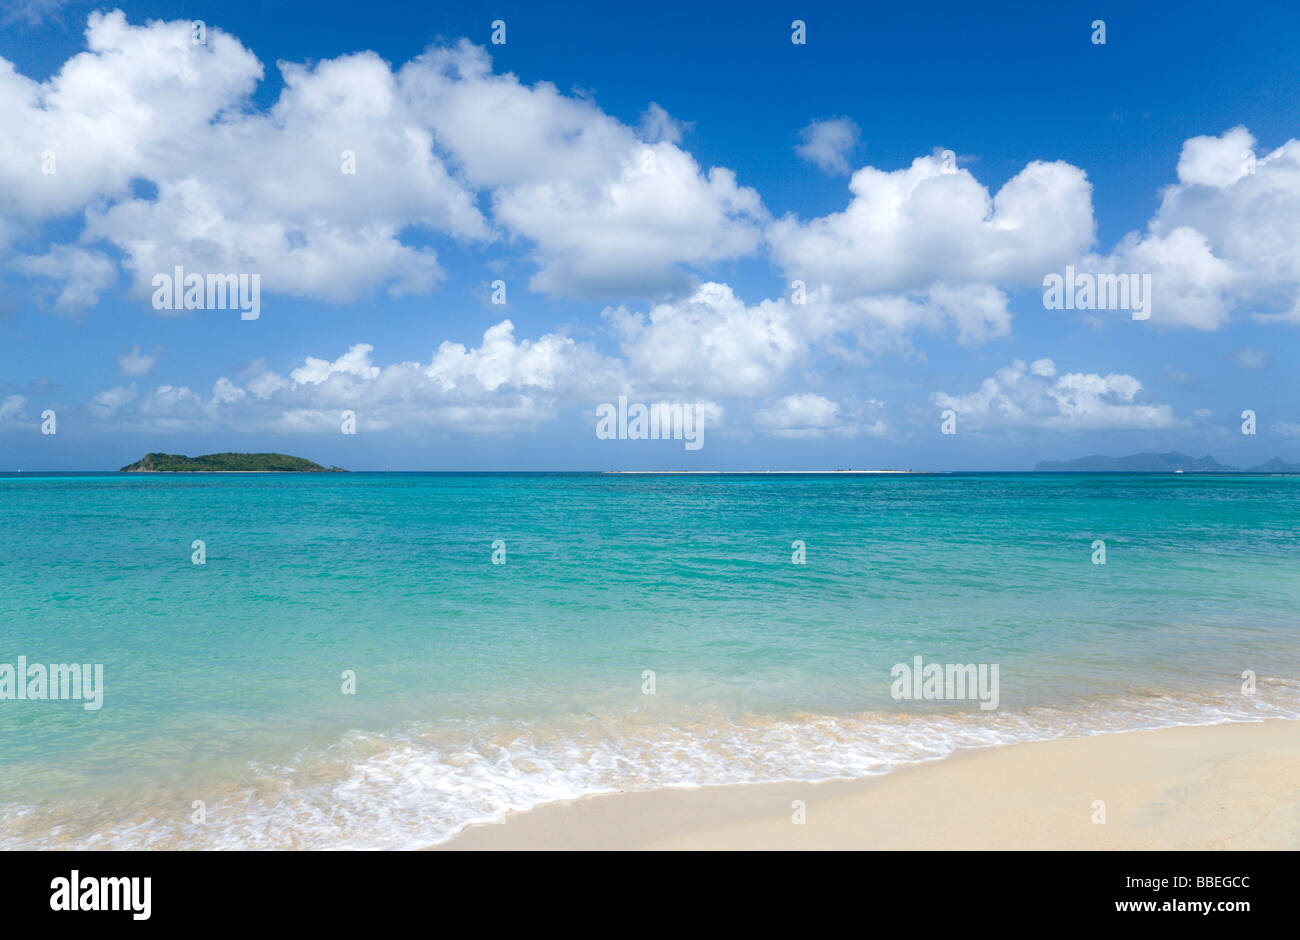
point(419, 785)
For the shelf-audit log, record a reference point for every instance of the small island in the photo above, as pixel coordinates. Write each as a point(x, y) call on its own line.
point(226, 463)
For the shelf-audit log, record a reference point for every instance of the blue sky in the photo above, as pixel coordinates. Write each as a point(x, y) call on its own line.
point(770, 162)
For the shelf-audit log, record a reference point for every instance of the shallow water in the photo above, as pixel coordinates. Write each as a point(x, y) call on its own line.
point(482, 688)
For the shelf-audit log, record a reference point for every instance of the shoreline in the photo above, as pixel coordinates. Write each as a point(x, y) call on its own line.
point(1234, 785)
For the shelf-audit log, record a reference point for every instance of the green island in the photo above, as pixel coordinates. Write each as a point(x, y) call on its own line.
point(226, 463)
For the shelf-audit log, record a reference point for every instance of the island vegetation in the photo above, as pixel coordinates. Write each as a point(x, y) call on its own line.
point(226, 463)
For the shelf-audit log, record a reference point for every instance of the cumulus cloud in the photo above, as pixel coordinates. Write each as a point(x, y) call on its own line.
point(605, 209)
point(552, 363)
point(117, 111)
point(828, 144)
point(710, 342)
point(704, 347)
point(1216, 161)
point(1226, 236)
point(1189, 285)
point(929, 247)
point(932, 223)
point(239, 189)
point(135, 363)
point(355, 362)
point(658, 125)
point(107, 403)
point(78, 276)
point(809, 415)
point(504, 385)
point(1034, 396)
point(159, 147)
point(978, 312)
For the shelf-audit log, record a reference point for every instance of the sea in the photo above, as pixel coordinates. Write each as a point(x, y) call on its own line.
point(378, 660)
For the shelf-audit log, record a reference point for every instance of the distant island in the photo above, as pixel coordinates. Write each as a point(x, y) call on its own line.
point(226, 463)
point(1171, 462)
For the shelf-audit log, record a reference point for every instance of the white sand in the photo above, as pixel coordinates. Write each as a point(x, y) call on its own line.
point(1233, 786)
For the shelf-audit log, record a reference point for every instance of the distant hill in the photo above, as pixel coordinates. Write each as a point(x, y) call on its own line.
point(226, 463)
point(1135, 462)
point(1159, 463)
point(1276, 465)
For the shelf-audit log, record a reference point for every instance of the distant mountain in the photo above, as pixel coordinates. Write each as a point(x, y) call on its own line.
point(1159, 463)
point(1135, 463)
point(1276, 465)
point(226, 463)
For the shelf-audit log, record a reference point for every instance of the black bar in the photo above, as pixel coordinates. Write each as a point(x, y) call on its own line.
point(331, 891)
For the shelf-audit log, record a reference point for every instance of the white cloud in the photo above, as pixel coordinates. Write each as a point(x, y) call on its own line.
point(31, 12)
point(130, 106)
point(80, 275)
point(552, 363)
point(135, 363)
point(356, 362)
point(1216, 161)
point(1249, 358)
point(710, 342)
point(915, 228)
point(705, 347)
point(161, 146)
point(977, 311)
point(226, 392)
point(658, 125)
point(107, 403)
point(500, 387)
point(266, 193)
point(809, 415)
point(1226, 236)
point(13, 411)
point(1034, 396)
point(1189, 285)
point(240, 189)
point(828, 144)
point(606, 209)
point(928, 247)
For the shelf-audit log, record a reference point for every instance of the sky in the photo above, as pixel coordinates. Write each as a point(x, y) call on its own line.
point(828, 252)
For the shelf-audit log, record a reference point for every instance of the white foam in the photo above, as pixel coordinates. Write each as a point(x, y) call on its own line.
point(422, 784)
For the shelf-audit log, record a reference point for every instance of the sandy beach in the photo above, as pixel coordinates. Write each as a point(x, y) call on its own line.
point(1227, 786)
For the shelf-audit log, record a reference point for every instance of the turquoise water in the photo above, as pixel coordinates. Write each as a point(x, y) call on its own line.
point(482, 688)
